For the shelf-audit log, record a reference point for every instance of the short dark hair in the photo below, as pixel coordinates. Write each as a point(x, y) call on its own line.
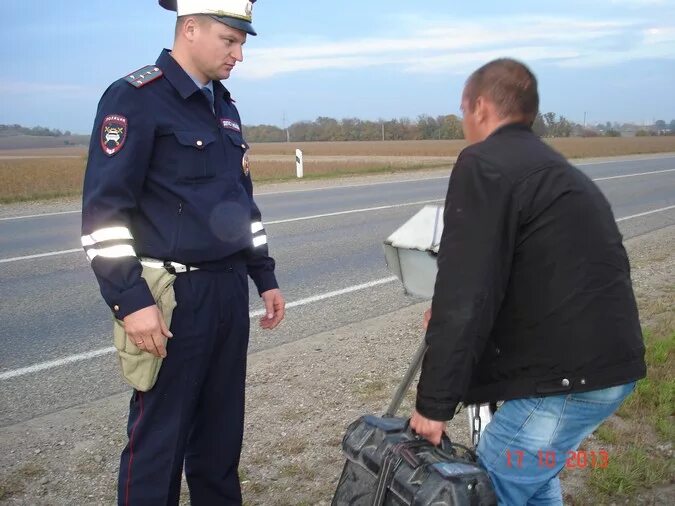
point(180, 21)
point(507, 83)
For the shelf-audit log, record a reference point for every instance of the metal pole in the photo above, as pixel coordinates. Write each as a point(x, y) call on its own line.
point(407, 380)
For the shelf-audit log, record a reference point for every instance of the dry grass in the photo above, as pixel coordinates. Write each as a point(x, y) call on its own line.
point(573, 147)
point(277, 170)
point(69, 151)
point(361, 148)
point(41, 173)
point(40, 178)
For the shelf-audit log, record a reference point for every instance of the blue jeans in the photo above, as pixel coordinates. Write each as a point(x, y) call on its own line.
point(529, 441)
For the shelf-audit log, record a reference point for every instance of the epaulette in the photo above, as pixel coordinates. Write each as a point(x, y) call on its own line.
point(144, 75)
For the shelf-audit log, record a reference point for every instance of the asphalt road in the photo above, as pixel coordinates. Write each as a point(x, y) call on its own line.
point(324, 240)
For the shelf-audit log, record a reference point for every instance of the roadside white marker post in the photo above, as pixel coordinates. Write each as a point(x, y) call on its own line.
point(299, 169)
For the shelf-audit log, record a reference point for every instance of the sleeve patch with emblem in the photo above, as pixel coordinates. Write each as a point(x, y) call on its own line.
point(113, 133)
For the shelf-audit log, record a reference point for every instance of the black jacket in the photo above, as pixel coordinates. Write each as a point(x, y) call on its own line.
point(533, 295)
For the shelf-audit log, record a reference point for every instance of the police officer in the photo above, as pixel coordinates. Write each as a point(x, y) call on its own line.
point(168, 186)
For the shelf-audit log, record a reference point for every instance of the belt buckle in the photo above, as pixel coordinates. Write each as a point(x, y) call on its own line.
point(169, 267)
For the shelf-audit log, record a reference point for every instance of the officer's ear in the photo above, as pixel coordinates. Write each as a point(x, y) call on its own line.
point(186, 26)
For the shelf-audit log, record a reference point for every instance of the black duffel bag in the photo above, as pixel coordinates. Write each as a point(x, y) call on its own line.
point(388, 464)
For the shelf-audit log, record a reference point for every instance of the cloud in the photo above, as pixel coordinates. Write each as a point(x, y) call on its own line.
point(458, 46)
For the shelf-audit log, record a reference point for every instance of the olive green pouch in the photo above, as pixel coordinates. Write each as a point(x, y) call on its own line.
point(141, 368)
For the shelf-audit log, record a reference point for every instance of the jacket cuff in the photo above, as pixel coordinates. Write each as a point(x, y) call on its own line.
point(131, 300)
point(264, 280)
point(435, 410)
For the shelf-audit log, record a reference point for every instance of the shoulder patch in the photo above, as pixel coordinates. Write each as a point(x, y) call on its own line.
point(143, 76)
point(113, 133)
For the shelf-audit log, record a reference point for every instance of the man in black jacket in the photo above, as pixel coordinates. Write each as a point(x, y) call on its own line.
point(533, 302)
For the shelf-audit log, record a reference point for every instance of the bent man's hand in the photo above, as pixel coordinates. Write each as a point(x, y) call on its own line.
point(275, 308)
point(431, 430)
point(147, 329)
point(427, 318)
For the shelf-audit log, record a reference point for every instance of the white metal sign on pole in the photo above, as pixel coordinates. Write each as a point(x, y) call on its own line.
point(299, 169)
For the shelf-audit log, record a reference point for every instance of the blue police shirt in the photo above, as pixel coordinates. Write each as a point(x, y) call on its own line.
point(167, 179)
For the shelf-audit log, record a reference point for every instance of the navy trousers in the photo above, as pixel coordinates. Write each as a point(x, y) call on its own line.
point(194, 415)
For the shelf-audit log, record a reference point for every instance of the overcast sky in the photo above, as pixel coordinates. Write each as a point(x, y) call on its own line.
point(613, 59)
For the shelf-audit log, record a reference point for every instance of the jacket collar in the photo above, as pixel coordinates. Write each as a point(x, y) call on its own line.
point(180, 79)
point(511, 127)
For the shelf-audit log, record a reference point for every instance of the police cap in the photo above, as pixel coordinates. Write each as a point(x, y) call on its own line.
point(234, 13)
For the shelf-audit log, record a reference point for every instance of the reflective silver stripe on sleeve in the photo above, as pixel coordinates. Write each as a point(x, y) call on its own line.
point(256, 226)
point(119, 251)
point(106, 234)
point(259, 241)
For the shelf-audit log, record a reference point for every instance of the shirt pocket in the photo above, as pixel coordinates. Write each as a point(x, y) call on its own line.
point(191, 155)
point(236, 151)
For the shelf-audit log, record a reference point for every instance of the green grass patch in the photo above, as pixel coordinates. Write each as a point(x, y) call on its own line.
point(654, 397)
point(634, 463)
point(628, 472)
point(606, 434)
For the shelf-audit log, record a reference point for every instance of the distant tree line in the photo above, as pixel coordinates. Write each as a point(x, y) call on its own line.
point(425, 127)
point(11, 130)
point(429, 127)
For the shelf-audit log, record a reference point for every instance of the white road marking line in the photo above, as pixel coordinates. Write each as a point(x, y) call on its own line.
point(55, 363)
point(645, 213)
point(328, 295)
point(104, 351)
point(352, 211)
point(374, 183)
point(40, 255)
point(259, 194)
point(633, 175)
point(289, 220)
point(40, 215)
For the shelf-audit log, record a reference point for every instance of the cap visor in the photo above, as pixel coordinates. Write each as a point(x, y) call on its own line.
point(239, 24)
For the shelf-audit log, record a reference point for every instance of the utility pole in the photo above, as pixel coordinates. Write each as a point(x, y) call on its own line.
point(382, 124)
point(584, 120)
point(288, 138)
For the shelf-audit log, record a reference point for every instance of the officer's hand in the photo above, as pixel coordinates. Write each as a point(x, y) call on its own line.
point(427, 317)
point(146, 328)
point(431, 430)
point(275, 308)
